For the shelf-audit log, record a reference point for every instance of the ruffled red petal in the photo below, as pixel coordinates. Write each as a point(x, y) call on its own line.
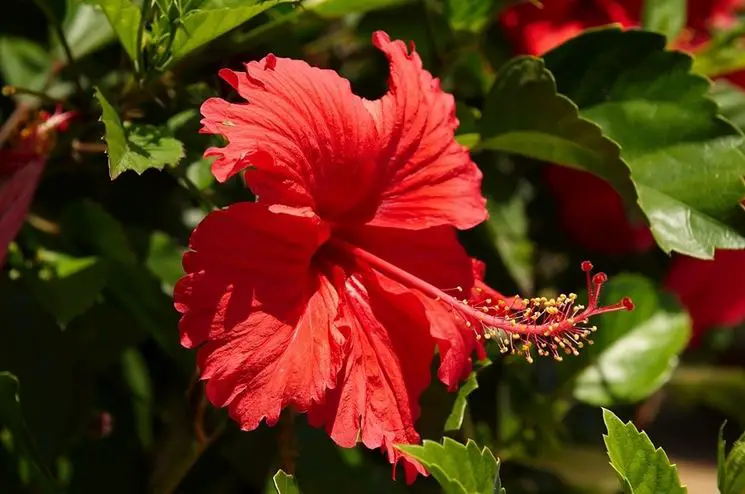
point(263, 319)
point(712, 291)
point(19, 176)
point(307, 138)
point(436, 257)
point(431, 178)
point(388, 367)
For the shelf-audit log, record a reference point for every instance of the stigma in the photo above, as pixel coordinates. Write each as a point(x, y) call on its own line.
point(546, 327)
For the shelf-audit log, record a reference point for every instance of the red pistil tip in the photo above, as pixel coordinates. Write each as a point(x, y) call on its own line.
point(553, 326)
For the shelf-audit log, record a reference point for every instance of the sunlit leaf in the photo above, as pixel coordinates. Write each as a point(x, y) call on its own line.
point(458, 468)
point(641, 468)
point(213, 19)
point(124, 18)
point(667, 17)
point(685, 160)
point(285, 484)
point(634, 353)
point(137, 147)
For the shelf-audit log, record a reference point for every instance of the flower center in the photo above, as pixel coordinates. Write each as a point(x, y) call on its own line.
point(552, 325)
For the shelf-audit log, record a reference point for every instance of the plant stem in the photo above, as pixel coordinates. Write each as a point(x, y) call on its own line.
point(60, 33)
point(140, 64)
point(13, 90)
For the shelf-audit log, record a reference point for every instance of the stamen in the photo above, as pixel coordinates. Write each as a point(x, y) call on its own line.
point(550, 325)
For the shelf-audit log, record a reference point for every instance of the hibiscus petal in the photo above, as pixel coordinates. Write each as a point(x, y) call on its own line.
point(17, 189)
point(387, 369)
point(307, 138)
point(431, 179)
point(435, 256)
point(262, 316)
point(712, 291)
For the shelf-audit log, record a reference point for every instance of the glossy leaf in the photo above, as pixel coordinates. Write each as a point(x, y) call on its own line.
point(731, 471)
point(641, 468)
point(124, 18)
point(731, 101)
point(285, 483)
point(634, 353)
point(685, 160)
point(86, 30)
point(71, 285)
point(88, 225)
point(23, 62)
point(339, 8)
point(523, 114)
point(507, 226)
point(667, 17)
point(721, 458)
point(164, 259)
point(213, 19)
point(455, 419)
point(137, 147)
point(469, 15)
point(11, 416)
point(458, 468)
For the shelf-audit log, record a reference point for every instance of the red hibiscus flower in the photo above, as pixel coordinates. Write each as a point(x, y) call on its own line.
point(712, 291)
point(595, 218)
point(590, 210)
point(21, 165)
point(331, 292)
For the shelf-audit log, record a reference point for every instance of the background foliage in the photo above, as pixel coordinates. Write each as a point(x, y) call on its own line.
point(96, 395)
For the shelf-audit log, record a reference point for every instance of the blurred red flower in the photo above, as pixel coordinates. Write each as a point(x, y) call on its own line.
point(21, 165)
point(712, 291)
point(330, 293)
point(590, 210)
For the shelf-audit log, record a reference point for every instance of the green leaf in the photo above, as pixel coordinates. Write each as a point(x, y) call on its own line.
point(137, 147)
point(88, 225)
point(685, 160)
point(213, 19)
point(667, 17)
point(71, 285)
point(635, 352)
point(285, 484)
point(458, 468)
point(340, 8)
point(11, 416)
point(24, 63)
point(721, 458)
point(137, 377)
point(641, 468)
point(507, 225)
point(716, 387)
point(723, 53)
point(731, 477)
point(86, 30)
point(124, 18)
point(469, 15)
point(523, 114)
point(455, 419)
point(731, 101)
point(164, 259)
